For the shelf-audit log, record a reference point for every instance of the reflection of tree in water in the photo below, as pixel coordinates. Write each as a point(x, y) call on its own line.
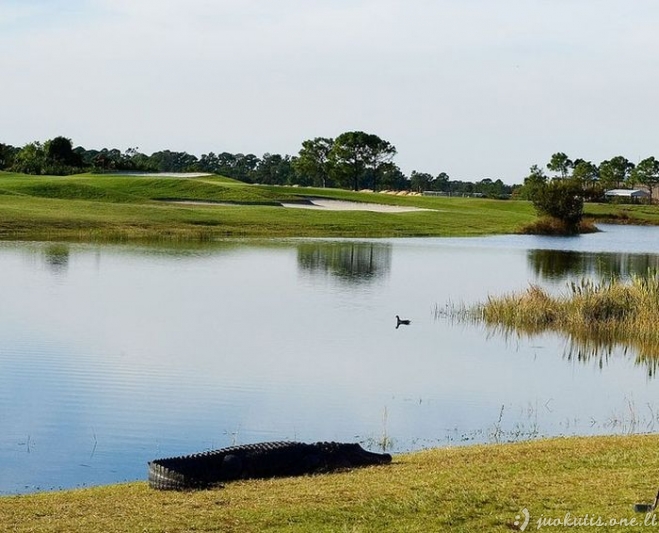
point(599, 344)
point(596, 346)
point(352, 262)
point(600, 349)
point(615, 315)
point(559, 264)
point(56, 257)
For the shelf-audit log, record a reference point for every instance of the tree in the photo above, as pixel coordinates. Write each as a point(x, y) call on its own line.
point(391, 177)
point(133, 160)
point(273, 169)
point(562, 200)
point(461, 187)
point(223, 164)
point(560, 163)
point(313, 161)
point(615, 171)
point(244, 167)
point(535, 181)
point(647, 173)
point(491, 189)
point(31, 159)
point(86, 156)
point(585, 173)
point(207, 163)
point(59, 151)
point(420, 181)
point(55, 156)
point(107, 160)
point(354, 153)
point(168, 161)
point(7, 153)
point(441, 182)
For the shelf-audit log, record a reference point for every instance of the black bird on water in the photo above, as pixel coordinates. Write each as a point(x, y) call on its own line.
point(400, 321)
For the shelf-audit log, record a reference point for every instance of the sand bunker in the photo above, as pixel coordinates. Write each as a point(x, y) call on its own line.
point(343, 205)
point(318, 203)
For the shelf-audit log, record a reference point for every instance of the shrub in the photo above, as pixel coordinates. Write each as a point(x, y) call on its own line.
point(561, 200)
point(555, 226)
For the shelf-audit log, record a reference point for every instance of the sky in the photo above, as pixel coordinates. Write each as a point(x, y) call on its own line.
point(473, 88)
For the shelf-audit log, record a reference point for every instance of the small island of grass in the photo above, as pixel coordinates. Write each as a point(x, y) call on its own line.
point(595, 317)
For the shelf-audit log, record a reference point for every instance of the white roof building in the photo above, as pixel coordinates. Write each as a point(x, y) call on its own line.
point(627, 193)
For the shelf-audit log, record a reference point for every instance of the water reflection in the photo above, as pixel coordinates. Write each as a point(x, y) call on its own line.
point(56, 258)
point(598, 345)
point(137, 353)
point(350, 262)
point(561, 264)
point(601, 348)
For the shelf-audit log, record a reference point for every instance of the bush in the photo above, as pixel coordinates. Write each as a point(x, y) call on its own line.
point(555, 226)
point(561, 200)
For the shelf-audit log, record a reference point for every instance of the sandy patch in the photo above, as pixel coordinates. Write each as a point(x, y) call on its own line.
point(343, 205)
point(317, 203)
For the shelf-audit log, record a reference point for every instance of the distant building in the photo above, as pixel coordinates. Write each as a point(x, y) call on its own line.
point(632, 194)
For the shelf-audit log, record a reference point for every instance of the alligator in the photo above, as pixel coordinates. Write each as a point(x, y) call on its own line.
point(262, 460)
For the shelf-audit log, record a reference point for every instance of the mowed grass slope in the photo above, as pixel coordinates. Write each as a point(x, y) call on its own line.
point(136, 189)
point(475, 488)
point(125, 207)
point(113, 207)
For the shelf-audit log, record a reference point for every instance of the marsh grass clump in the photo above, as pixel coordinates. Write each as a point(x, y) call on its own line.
point(533, 310)
point(595, 316)
point(554, 226)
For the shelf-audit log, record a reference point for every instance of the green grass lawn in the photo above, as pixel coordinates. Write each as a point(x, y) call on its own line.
point(88, 207)
point(112, 207)
point(463, 489)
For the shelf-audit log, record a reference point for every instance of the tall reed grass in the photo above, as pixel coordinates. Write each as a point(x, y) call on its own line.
point(596, 316)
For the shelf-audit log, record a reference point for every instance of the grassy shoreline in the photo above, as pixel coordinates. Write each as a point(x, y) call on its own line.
point(122, 208)
point(474, 488)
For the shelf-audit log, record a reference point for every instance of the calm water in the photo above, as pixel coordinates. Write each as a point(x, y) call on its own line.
point(111, 355)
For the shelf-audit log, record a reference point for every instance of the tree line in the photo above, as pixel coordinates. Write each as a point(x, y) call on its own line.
point(354, 160)
point(593, 180)
point(560, 198)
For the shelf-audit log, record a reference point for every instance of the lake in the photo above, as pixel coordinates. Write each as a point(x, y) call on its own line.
point(114, 355)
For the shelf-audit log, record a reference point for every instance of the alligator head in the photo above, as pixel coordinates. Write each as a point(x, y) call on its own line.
point(352, 454)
